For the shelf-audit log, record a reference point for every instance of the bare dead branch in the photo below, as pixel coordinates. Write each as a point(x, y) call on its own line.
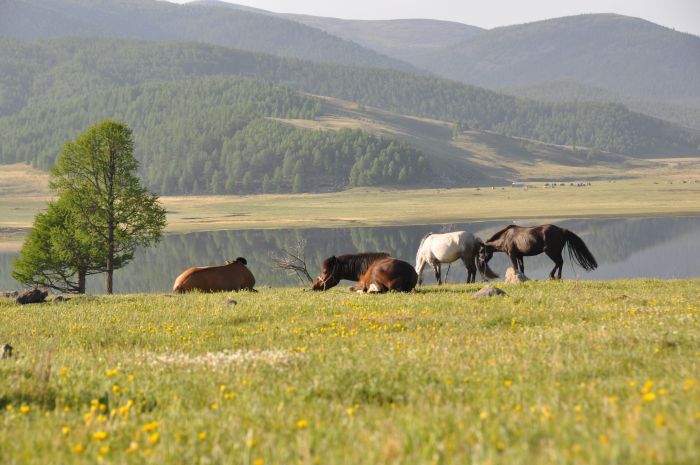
point(293, 261)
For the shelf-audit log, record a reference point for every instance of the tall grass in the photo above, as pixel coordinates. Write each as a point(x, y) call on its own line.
point(556, 372)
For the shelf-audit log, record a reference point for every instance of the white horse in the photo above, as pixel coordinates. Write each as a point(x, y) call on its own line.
point(435, 249)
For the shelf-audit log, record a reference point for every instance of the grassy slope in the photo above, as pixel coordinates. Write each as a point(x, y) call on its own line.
point(595, 373)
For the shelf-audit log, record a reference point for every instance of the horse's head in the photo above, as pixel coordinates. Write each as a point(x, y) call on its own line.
point(485, 253)
point(329, 275)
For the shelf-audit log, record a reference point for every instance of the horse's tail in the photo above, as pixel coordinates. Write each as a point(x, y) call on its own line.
point(484, 269)
point(578, 251)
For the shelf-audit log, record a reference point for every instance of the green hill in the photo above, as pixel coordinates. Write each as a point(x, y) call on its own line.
point(47, 73)
point(629, 56)
point(160, 20)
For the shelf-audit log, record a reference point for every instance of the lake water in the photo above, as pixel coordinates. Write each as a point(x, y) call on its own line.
point(623, 247)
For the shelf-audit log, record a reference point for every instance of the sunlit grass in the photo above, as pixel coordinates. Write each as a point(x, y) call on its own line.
point(557, 372)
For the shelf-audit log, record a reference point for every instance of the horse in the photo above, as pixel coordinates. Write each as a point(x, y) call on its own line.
point(387, 274)
point(519, 242)
point(233, 276)
point(350, 267)
point(435, 249)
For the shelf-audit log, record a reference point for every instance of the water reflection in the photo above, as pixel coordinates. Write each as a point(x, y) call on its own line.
point(624, 248)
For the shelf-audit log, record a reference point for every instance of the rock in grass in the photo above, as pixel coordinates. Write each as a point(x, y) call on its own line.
point(515, 277)
point(231, 302)
point(9, 294)
point(31, 296)
point(60, 298)
point(488, 291)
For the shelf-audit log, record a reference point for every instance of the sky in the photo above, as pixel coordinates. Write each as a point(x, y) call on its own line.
point(682, 15)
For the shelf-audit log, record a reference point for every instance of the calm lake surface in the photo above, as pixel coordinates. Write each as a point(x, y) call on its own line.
point(623, 247)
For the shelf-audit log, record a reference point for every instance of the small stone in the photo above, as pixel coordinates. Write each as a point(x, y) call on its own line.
point(488, 291)
point(60, 298)
point(32, 296)
point(9, 294)
point(7, 351)
point(231, 302)
point(515, 277)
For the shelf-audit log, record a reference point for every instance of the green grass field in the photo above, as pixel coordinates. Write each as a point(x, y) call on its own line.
point(557, 372)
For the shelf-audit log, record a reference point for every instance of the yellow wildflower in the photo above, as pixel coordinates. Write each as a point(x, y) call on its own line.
point(202, 435)
point(153, 438)
point(104, 450)
point(99, 435)
point(78, 448)
point(688, 384)
point(151, 426)
point(110, 373)
point(648, 397)
point(65, 430)
point(507, 383)
point(660, 421)
point(603, 439)
point(24, 409)
point(214, 406)
point(259, 461)
point(133, 447)
point(302, 424)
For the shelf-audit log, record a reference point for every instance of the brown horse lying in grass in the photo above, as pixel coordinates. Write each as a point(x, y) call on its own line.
point(388, 274)
point(351, 267)
point(233, 276)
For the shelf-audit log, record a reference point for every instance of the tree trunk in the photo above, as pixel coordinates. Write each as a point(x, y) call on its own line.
point(111, 173)
point(81, 281)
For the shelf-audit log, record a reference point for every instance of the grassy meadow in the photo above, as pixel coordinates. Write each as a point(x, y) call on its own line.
point(556, 372)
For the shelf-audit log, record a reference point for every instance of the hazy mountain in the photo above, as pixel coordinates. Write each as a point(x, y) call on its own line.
point(628, 56)
point(399, 38)
point(205, 22)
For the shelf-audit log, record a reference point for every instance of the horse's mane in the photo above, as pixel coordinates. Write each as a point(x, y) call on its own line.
point(500, 233)
point(420, 246)
point(357, 264)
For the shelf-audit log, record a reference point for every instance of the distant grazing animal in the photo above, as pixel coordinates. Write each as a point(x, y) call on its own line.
point(388, 274)
point(435, 249)
point(350, 267)
point(233, 276)
point(519, 242)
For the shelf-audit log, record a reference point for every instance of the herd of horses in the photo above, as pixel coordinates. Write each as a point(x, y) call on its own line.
point(379, 272)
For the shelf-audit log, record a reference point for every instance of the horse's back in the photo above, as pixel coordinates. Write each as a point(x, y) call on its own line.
point(231, 277)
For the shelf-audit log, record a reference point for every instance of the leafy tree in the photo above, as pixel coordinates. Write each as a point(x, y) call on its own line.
point(57, 253)
point(96, 174)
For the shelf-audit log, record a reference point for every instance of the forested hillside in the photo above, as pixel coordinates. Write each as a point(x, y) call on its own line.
point(570, 91)
point(207, 136)
point(629, 56)
point(47, 73)
point(161, 20)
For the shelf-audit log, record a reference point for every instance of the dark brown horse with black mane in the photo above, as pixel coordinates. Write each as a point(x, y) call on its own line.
point(350, 267)
point(519, 242)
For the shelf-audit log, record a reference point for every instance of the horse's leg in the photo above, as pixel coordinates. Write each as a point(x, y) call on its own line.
point(437, 269)
point(521, 261)
point(514, 259)
point(471, 269)
point(558, 263)
point(420, 266)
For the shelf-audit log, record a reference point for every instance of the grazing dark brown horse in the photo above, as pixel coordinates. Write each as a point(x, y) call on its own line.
point(350, 267)
point(519, 242)
point(233, 276)
point(388, 274)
